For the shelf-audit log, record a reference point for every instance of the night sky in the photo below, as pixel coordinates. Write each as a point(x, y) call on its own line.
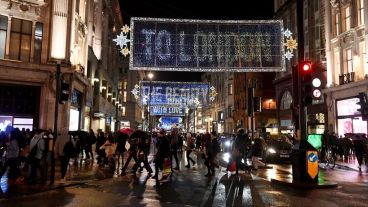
point(195, 9)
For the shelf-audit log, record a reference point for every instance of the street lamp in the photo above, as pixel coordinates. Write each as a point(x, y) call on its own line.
point(269, 103)
point(150, 77)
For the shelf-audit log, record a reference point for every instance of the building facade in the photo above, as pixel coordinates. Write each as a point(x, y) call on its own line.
point(313, 43)
point(347, 67)
point(35, 36)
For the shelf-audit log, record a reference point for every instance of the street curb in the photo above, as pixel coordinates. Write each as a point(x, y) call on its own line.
point(300, 185)
point(42, 191)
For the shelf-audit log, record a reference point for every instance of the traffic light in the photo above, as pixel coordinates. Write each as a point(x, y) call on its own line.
point(306, 82)
point(64, 92)
point(363, 102)
point(257, 104)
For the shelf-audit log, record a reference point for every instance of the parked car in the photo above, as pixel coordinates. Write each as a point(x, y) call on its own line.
point(278, 150)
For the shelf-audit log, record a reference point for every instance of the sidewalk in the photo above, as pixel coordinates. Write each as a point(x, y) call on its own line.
point(350, 164)
point(79, 173)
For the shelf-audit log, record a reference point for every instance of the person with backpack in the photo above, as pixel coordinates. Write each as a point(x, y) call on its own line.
point(63, 151)
point(37, 148)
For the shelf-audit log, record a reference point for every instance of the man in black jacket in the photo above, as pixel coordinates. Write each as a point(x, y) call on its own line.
point(163, 151)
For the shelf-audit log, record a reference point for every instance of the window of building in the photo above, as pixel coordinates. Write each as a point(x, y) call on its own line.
point(123, 111)
point(230, 89)
point(125, 96)
point(347, 19)
point(360, 12)
point(3, 30)
point(20, 39)
point(38, 42)
point(125, 85)
point(337, 70)
point(286, 101)
point(317, 32)
point(230, 111)
point(316, 5)
point(77, 5)
point(337, 24)
point(348, 61)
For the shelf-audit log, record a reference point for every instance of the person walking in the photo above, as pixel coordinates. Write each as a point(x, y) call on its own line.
point(174, 145)
point(208, 155)
point(90, 142)
point(38, 143)
point(62, 151)
point(100, 152)
point(189, 148)
point(239, 150)
point(163, 152)
point(12, 153)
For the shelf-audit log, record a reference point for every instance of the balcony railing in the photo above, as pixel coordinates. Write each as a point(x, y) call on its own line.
point(346, 78)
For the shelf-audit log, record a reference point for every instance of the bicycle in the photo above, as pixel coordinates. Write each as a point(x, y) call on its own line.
point(329, 160)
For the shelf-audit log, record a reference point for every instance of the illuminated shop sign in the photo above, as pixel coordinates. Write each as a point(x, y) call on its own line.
point(206, 45)
point(167, 110)
point(174, 93)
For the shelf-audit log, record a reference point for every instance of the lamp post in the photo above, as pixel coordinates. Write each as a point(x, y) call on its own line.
point(150, 77)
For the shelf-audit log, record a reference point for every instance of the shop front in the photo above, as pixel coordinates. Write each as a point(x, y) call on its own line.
point(19, 106)
point(349, 119)
point(75, 110)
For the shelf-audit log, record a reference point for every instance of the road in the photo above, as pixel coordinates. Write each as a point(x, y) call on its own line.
point(189, 187)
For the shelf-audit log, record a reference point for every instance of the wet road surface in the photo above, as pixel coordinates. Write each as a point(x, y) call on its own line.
point(189, 187)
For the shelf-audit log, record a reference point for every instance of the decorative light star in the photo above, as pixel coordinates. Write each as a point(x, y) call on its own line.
point(288, 55)
point(121, 40)
point(125, 51)
point(125, 29)
point(287, 33)
point(291, 44)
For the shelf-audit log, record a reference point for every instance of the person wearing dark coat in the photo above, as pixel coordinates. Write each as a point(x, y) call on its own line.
point(239, 149)
point(163, 151)
point(209, 155)
point(100, 152)
point(359, 150)
point(256, 153)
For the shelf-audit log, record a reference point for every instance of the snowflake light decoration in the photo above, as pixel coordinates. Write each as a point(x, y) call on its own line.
point(136, 91)
point(288, 55)
point(290, 44)
point(212, 93)
point(122, 40)
point(287, 33)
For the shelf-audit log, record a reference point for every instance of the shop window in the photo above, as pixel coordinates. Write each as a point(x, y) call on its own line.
point(20, 39)
point(286, 101)
point(20, 123)
point(3, 31)
point(38, 42)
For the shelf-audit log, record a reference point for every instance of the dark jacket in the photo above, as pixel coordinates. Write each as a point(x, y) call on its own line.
point(163, 150)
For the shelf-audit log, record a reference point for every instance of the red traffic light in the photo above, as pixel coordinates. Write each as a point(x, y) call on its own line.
point(306, 66)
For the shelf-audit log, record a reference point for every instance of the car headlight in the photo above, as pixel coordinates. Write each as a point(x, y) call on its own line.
point(271, 150)
point(227, 143)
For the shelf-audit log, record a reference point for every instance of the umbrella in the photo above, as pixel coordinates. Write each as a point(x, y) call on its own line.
point(127, 131)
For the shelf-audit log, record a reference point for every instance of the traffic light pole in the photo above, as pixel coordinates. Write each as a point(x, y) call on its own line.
point(56, 116)
point(301, 109)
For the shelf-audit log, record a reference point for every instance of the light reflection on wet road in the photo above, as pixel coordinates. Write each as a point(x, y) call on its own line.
point(189, 187)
